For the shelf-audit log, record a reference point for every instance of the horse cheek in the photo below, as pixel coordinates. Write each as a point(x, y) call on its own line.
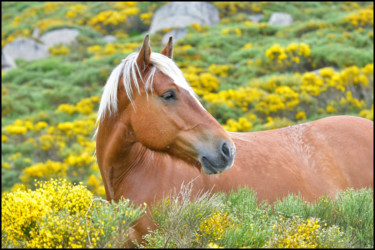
point(153, 133)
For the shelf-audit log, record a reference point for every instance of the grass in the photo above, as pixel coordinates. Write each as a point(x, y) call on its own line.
point(244, 221)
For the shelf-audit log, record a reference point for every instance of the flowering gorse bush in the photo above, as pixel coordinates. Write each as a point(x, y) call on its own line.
point(69, 143)
point(109, 20)
point(58, 214)
point(24, 212)
point(241, 221)
point(295, 56)
point(362, 18)
point(213, 228)
point(309, 233)
point(298, 96)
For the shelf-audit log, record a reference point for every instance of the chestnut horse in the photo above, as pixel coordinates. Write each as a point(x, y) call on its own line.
point(153, 135)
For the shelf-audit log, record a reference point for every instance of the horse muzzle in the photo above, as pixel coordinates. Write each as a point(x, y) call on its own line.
point(215, 161)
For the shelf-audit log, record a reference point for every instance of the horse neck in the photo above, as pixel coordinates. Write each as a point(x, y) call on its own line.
point(117, 151)
point(124, 162)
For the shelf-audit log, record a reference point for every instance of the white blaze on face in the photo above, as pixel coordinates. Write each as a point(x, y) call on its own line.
point(169, 68)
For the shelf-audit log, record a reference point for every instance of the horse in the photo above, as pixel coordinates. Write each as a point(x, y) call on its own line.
point(153, 135)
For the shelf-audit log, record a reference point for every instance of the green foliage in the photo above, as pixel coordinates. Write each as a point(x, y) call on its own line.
point(242, 221)
point(179, 217)
point(114, 219)
point(341, 56)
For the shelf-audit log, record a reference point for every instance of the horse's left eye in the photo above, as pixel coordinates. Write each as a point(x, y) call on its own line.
point(169, 95)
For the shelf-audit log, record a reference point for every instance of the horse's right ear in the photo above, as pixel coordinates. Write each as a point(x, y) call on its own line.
point(144, 55)
point(168, 49)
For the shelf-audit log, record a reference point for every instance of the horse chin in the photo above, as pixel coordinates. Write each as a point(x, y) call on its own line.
point(209, 168)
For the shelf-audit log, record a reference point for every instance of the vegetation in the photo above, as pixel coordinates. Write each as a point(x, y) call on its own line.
point(58, 214)
point(249, 76)
point(240, 220)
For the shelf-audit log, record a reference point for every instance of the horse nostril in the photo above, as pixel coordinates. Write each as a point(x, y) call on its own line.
point(225, 150)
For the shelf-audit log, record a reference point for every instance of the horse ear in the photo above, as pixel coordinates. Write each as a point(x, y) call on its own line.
point(144, 55)
point(168, 49)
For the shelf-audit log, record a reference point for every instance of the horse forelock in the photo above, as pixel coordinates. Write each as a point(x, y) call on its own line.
point(129, 70)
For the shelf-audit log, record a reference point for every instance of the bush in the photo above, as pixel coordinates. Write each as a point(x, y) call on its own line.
point(58, 214)
point(240, 220)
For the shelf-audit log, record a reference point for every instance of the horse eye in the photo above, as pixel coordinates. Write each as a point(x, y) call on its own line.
point(169, 95)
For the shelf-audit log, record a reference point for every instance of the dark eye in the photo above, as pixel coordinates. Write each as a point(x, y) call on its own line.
point(170, 95)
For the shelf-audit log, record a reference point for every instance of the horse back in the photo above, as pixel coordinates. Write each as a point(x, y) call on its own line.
point(350, 141)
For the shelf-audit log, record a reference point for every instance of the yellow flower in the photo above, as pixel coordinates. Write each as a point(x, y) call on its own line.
point(5, 165)
point(92, 181)
point(331, 109)
point(300, 115)
point(225, 31)
point(247, 46)
point(368, 113)
point(196, 26)
point(17, 130)
point(66, 126)
point(50, 7)
point(40, 125)
point(215, 226)
point(4, 138)
point(59, 50)
point(221, 70)
point(147, 15)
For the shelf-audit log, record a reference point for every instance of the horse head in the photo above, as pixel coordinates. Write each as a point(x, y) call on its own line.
point(164, 114)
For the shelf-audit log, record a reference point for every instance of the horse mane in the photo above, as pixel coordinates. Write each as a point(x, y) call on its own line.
point(128, 68)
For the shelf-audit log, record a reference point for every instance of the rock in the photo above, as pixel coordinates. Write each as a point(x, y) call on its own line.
point(25, 48)
point(182, 14)
point(256, 18)
point(109, 39)
point(36, 33)
point(177, 34)
point(280, 19)
point(60, 36)
point(7, 62)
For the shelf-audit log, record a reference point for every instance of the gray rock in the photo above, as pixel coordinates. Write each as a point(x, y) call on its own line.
point(109, 39)
point(182, 14)
point(177, 34)
point(36, 33)
point(256, 18)
point(7, 62)
point(280, 19)
point(60, 36)
point(27, 49)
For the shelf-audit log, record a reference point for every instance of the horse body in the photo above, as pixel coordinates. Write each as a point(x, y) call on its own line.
point(150, 143)
point(313, 159)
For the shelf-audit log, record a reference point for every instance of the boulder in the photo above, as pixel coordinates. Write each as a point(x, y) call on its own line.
point(26, 49)
point(280, 19)
point(256, 18)
point(177, 34)
point(7, 62)
point(36, 33)
point(109, 39)
point(60, 36)
point(182, 14)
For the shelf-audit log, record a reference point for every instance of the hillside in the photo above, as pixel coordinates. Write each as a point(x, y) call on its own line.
point(249, 75)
